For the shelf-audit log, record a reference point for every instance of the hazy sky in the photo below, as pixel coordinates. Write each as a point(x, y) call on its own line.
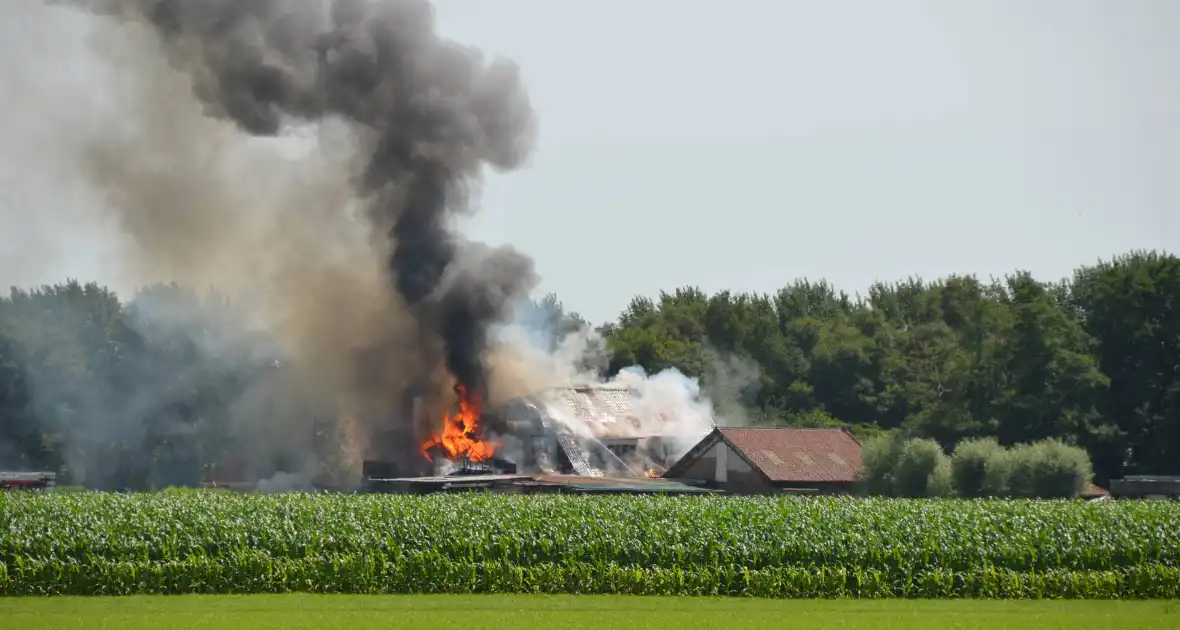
point(744, 144)
point(742, 147)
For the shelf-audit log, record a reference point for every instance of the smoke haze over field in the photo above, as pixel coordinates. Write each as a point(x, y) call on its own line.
point(351, 249)
point(309, 159)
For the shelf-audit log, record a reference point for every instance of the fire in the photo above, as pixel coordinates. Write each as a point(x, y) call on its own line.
point(460, 436)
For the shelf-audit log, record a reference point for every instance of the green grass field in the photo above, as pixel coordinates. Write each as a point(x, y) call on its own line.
point(424, 612)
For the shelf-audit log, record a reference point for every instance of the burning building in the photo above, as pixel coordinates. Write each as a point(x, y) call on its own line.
point(400, 126)
point(593, 431)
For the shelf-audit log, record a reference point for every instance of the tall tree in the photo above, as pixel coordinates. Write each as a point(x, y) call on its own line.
point(1131, 307)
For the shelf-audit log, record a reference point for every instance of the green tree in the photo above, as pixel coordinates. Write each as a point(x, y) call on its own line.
point(1131, 307)
point(21, 445)
point(1053, 383)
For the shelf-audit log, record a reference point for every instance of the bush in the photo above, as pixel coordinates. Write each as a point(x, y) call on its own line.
point(969, 465)
point(941, 482)
point(1059, 470)
point(997, 472)
point(922, 470)
point(879, 457)
point(1050, 469)
point(1022, 464)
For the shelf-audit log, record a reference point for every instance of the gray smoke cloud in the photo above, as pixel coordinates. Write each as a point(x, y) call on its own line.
point(312, 156)
point(427, 115)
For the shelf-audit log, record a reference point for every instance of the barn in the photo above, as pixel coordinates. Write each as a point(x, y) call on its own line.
point(590, 430)
point(769, 460)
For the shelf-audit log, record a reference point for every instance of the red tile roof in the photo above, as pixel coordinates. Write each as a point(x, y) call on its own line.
point(1093, 492)
point(792, 454)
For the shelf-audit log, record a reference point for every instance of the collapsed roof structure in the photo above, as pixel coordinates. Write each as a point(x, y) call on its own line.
point(587, 431)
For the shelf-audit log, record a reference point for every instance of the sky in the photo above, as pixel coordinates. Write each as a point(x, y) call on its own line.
point(746, 144)
point(743, 145)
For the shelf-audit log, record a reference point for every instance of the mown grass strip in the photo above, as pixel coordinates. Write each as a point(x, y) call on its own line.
point(328, 612)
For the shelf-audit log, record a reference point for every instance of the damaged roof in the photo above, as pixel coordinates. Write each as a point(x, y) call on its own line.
point(786, 454)
point(599, 406)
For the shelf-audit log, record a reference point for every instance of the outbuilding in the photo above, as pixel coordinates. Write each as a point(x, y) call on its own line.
point(769, 460)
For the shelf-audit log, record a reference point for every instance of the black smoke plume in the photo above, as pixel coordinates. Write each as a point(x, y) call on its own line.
point(426, 114)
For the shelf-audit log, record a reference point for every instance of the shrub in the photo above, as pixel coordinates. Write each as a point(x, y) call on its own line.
point(1022, 466)
point(1059, 470)
point(997, 473)
point(969, 465)
point(941, 482)
point(879, 457)
point(922, 470)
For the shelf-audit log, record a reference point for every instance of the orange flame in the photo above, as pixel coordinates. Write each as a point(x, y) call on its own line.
point(460, 436)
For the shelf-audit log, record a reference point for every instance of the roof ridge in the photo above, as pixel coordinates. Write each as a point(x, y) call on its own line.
point(797, 454)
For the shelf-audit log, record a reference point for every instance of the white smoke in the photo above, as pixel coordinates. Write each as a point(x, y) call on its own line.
point(668, 404)
point(285, 482)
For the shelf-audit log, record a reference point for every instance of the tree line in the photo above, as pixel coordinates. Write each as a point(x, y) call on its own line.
point(1092, 360)
point(164, 388)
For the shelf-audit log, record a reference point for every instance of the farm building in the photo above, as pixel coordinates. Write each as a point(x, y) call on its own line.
point(1146, 487)
point(589, 431)
point(771, 460)
point(556, 440)
point(27, 480)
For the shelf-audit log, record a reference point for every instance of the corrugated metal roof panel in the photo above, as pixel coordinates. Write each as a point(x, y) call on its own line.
point(446, 478)
point(575, 483)
point(619, 484)
point(573, 451)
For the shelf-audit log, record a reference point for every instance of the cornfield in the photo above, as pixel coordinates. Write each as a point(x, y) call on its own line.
point(484, 543)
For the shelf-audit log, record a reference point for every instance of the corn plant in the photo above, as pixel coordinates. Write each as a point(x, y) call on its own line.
point(770, 547)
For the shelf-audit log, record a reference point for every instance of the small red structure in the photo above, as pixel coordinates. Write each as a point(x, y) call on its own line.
point(27, 480)
point(1092, 492)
